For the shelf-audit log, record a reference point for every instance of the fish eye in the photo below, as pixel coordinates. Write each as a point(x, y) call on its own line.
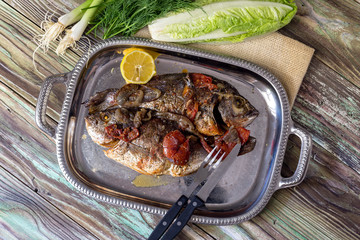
point(105, 117)
point(238, 102)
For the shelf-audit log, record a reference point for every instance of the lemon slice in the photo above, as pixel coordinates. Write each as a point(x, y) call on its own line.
point(137, 67)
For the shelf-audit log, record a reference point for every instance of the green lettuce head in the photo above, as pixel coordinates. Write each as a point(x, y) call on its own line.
point(224, 21)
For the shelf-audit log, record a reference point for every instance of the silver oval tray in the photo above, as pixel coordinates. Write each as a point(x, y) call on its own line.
point(245, 189)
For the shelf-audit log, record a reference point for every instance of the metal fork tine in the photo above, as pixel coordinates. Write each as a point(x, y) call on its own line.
point(214, 158)
point(219, 161)
point(206, 160)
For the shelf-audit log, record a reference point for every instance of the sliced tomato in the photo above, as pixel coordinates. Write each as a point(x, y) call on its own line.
point(223, 145)
point(202, 81)
point(181, 157)
point(205, 145)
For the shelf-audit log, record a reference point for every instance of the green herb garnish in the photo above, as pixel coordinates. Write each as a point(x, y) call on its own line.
point(126, 17)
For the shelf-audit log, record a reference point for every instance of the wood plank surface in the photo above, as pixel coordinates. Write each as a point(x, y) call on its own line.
point(332, 28)
point(325, 206)
point(24, 214)
point(325, 102)
point(330, 94)
point(21, 137)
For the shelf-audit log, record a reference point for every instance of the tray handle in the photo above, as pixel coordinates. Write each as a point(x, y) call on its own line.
point(41, 105)
point(305, 151)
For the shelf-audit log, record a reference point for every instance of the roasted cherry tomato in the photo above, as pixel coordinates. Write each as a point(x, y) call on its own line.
point(128, 134)
point(182, 155)
point(226, 146)
point(202, 81)
point(176, 147)
point(243, 134)
point(191, 106)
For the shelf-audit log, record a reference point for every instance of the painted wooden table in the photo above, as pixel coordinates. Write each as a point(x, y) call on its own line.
point(36, 202)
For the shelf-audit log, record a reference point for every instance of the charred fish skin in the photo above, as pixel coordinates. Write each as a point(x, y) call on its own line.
point(96, 123)
point(171, 98)
point(205, 120)
point(137, 158)
point(235, 110)
point(144, 154)
point(241, 112)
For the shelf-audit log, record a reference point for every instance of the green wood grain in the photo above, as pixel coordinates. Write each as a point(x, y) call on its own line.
point(327, 200)
point(332, 28)
point(25, 215)
point(38, 178)
point(328, 107)
point(39, 167)
point(30, 155)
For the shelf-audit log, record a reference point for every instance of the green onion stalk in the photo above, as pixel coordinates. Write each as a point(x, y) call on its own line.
point(74, 34)
point(53, 30)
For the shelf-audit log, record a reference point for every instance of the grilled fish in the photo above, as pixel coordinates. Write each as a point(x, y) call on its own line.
point(196, 96)
point(163, 127)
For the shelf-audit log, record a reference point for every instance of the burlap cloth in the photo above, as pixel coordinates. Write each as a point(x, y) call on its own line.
point(284, 57)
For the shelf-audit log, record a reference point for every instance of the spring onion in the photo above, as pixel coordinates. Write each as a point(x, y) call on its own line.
point(113, 17)
point(53, 30)
point(75, 33)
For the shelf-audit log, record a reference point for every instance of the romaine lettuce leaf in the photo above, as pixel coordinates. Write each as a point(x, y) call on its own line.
point(224, 21)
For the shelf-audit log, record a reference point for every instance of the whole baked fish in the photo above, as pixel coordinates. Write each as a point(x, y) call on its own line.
point(213, 105)
point(164, 126)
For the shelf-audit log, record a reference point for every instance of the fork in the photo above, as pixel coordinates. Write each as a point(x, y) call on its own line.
point(208, 165)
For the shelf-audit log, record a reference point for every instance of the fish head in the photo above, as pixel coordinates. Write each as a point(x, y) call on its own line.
point(96, 124)
point(101, 101)
point(236, 111)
